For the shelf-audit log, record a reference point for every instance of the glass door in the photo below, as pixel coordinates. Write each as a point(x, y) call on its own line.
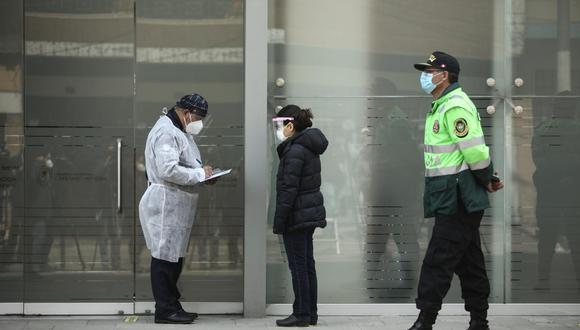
point(73, 125)
point(78, 161)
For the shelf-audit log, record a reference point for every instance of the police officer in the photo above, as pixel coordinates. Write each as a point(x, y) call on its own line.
point(458, 176)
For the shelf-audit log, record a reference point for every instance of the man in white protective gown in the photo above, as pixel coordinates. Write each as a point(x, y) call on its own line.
point(167, 210)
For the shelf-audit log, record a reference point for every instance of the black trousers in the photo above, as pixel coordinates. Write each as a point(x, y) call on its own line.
point(300, 253)
point(164, 276)
point(455, 247)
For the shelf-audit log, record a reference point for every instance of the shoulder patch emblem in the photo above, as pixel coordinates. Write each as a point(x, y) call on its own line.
point(461, 128)
point(436, 127)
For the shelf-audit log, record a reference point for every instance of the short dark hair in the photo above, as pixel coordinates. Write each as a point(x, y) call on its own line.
point(453, 77)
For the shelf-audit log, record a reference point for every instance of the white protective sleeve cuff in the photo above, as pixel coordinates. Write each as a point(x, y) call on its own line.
point(199, 174)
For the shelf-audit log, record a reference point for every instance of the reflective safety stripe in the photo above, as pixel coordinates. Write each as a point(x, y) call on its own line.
point(440, 149)
point(451, 98)
point(480, 165)
point(448, 148)
point(476, 141)
point(429, 172)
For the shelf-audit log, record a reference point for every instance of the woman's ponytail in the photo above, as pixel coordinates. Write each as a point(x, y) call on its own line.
point(302, 119)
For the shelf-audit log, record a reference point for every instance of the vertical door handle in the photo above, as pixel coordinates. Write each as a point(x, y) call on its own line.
point(119, 146)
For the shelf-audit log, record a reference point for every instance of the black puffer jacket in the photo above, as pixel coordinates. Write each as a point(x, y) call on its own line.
point(299, 202)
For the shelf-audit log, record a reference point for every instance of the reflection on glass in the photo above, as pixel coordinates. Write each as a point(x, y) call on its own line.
point(545, 244)
point(381, 39)
point(78, 238)
point(184, 47)
point(394, 188)
point(546, 42)
point(546, 234)
point(11, 162)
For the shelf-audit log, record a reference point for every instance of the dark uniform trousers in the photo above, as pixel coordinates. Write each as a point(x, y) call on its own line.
point(455, 247)
point(164, 276)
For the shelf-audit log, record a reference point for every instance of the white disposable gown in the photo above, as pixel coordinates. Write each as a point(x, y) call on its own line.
point(167, 209)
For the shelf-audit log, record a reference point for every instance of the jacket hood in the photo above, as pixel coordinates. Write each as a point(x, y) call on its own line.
point(313, 139)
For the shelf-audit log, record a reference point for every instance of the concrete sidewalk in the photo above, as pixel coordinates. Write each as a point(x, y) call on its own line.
point(237, 322)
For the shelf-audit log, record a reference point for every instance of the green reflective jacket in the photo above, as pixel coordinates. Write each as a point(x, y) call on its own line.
point(457, 162)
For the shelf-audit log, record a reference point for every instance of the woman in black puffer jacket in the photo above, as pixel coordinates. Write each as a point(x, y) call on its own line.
point(299, 206)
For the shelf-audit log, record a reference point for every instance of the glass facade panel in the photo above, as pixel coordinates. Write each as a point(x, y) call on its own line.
point(374, 181)
point(544, 256)
point(79, 217)
point(11, 152)
point(545, 227)
point(365, 47)
point(545, 44)
point(526, 47)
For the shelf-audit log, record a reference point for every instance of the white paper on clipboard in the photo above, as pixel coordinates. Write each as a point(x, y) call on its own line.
point(217, 173)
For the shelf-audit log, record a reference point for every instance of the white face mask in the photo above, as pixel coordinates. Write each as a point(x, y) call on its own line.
point(194, 128)
point(280, 135)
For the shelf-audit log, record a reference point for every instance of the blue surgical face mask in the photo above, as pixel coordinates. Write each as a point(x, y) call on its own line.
point(427, 82)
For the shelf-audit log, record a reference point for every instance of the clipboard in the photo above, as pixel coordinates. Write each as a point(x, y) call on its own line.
point(217, 173)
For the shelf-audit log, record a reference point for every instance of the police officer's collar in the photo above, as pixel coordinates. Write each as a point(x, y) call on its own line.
point(449, 89)
point(435, 104)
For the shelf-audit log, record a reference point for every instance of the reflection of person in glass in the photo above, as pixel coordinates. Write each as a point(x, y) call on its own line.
point(556, 154)
point(109, 243)
point(394, 157)
point(11, 197)
point(167, 209)
point(42, 233)
point(299, 206)
point(458, 177)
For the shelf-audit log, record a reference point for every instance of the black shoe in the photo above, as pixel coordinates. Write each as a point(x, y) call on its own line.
point(179, 317)
point(292, 321)
point(478, 326)
point(425, 321)
point(314, 320)
point(478, 321)
point(194, 315)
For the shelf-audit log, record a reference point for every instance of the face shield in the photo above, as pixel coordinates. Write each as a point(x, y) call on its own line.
point(278, 127)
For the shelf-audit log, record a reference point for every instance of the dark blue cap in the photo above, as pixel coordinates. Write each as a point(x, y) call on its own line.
point(194, 103)
point(441, 61)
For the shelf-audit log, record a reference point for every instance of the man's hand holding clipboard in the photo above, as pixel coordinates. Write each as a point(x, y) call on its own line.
point(216, 173)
